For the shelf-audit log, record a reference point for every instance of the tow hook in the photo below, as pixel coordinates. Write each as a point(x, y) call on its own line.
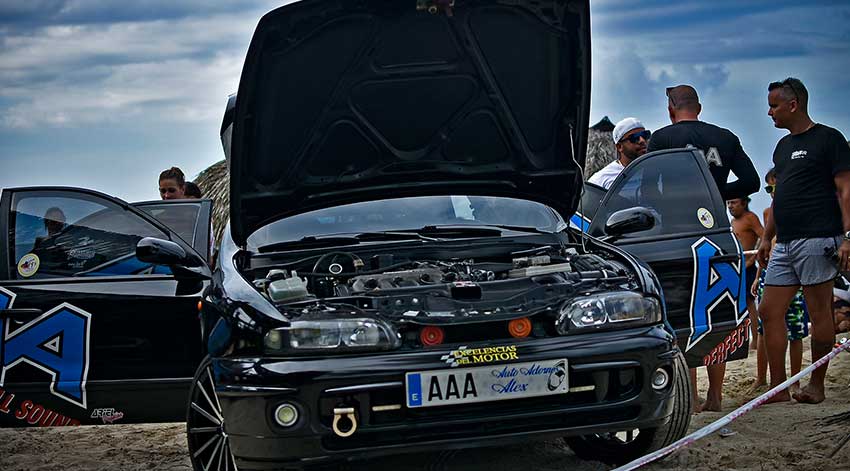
point(348, 413)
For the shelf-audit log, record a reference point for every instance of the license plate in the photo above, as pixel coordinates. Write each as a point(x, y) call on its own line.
point(486, 383)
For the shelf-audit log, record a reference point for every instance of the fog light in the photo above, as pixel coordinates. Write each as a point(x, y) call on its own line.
point(660, 379)
point(431, 335)
point(519, 328)
point(286, 415)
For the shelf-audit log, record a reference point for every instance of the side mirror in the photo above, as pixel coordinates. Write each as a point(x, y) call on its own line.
point(160, 252)
point(631, 220)
point(184, 266)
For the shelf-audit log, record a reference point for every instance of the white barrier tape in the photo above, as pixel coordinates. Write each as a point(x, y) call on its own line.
point(725, 420)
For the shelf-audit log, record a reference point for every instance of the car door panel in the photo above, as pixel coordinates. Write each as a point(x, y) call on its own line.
point(691, 249)
point(107, 348)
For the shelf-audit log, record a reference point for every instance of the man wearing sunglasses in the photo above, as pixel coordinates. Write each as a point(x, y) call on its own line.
point(810, 216)
point(723, 153)
point(630, 138)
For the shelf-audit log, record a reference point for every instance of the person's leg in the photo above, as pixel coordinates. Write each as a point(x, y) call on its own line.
point(754, 317)
point(819, 303)
point(761, 363)
point(795, 354)
point(697, 406)
point(715, 387)
point(772, 310)
point(797, 322)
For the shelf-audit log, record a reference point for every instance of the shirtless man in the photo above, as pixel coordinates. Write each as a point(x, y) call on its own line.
point(748, 230)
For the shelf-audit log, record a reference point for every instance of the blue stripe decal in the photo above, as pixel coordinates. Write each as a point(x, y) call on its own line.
point(414, 390)
point(579, 222)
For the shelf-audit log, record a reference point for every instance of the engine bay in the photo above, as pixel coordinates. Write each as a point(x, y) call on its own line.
point(421, 288)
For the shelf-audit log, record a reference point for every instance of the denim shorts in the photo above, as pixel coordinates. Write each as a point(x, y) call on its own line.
point(802, 262)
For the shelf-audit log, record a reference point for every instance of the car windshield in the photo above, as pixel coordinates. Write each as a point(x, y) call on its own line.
point(410, 213)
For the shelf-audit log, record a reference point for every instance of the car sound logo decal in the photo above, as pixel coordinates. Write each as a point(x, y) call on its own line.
point(56, 342)
point(713, 283)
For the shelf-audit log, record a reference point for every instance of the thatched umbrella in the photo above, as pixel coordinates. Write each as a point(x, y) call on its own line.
point(600, 147)
point(215, 184)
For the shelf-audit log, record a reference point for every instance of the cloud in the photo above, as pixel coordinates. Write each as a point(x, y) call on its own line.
point(72, 75)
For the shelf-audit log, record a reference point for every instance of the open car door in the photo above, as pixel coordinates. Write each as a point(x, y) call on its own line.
point(690, 247)
point(190, 219)
point(90, 333)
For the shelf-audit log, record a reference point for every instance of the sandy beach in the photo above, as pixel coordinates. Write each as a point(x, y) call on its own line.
point(777, 436)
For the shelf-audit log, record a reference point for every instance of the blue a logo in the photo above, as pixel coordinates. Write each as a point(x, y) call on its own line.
point(713, 283)
point(56, 342)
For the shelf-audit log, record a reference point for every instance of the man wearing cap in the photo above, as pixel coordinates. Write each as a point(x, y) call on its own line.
point(723, 153)
point(630, 138)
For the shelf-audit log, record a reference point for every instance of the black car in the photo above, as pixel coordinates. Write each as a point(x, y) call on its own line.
point(399, 273)
point(89, 333)
point(403, 173)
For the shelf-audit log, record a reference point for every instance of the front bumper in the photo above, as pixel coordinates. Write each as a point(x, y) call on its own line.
point(609, 379)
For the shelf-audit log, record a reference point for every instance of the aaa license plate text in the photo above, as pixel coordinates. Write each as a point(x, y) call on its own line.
point(486, 383)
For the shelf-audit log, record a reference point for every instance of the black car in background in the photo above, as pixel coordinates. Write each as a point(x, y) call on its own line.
point(399, 273)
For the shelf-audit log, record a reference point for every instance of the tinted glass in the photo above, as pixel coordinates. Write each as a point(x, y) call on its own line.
point(409, 213)
point(182, 218)
point(60, 235)
point(671, 185)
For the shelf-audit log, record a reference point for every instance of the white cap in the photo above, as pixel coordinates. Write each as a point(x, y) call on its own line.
point(625, 126)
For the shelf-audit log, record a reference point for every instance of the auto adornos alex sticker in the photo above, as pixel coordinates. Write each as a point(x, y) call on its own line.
point(476, 356)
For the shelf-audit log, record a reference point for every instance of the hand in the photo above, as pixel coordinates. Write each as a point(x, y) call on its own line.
point(763, 253)
point(844, 256)
point(754, 289)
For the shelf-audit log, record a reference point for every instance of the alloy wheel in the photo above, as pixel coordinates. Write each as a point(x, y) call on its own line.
point(209, 447)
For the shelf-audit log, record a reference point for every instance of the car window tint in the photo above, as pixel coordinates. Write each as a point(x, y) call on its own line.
point(56, 235)
point(671, 185)
point(182, 218)
point(409, 213)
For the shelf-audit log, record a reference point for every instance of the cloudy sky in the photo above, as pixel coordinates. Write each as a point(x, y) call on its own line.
point(106, 94)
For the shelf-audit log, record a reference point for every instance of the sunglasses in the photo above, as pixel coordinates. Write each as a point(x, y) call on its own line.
point(636, 137)
point(770, 189)
point(787, 83)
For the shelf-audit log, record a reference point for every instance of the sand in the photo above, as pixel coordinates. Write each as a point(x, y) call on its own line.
point(776, 436)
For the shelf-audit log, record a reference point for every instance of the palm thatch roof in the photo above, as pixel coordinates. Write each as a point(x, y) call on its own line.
point(215, 185)
point(215, 182)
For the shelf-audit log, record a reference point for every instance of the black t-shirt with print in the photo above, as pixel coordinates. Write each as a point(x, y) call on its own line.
point(805, 204)
point(721, 149)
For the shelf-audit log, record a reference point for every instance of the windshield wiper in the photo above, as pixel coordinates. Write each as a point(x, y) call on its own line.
point(393, 235)
point(309, 242)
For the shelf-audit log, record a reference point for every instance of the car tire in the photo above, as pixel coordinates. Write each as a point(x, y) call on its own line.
point(209, 447)
point(612, 448)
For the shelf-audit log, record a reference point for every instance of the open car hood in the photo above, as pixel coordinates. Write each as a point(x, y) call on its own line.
point(343, 101)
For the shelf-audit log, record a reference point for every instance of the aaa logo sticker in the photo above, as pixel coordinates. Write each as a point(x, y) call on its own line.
point(28, 265)
point(705, 218)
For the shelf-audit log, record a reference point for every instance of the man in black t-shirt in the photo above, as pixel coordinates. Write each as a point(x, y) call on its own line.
point(720, 147)
point(723, 153)
point(811, 221)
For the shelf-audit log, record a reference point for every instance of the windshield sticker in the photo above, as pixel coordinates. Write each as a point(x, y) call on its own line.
point(713, 283)
point(57, 342)
point(705, 218)
point(475, 356)
point(28, 265)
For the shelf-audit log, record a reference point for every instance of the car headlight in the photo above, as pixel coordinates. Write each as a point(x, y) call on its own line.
point(607, 309)
point(361, 334)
